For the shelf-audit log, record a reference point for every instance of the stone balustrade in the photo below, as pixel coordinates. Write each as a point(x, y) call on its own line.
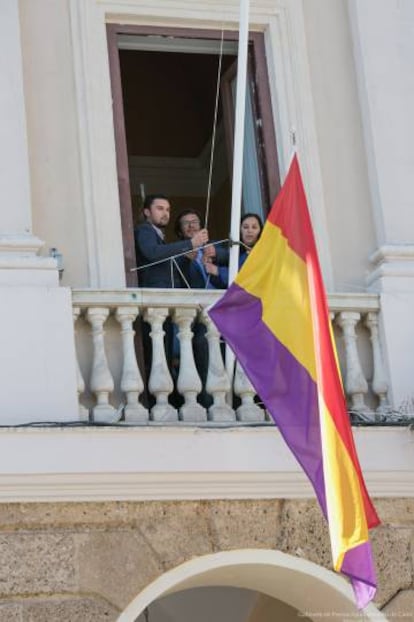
point(116, 383)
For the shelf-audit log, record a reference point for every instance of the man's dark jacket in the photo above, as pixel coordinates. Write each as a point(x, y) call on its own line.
point(150, 247)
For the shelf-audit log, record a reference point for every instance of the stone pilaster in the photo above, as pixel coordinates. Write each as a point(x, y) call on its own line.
point(37, 361)
point(20, 263)
point(383, 50)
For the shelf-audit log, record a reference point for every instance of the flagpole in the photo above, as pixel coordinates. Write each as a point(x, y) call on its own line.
point(238, 151)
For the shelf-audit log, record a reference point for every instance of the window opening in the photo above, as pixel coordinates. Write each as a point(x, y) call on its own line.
point(164, 88)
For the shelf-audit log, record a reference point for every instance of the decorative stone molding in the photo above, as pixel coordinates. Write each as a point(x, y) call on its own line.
point(393, 263)
point(20, 263)
point(156, 463)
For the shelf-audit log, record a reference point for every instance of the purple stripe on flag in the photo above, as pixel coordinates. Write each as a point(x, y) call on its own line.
point(358, 564)
point(284, 385)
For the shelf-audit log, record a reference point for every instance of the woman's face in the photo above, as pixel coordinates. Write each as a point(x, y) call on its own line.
point(249, 231)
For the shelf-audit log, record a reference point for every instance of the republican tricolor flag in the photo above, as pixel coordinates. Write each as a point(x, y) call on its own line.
point(275, 318)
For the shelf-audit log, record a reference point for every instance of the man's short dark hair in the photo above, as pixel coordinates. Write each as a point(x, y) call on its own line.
point(177, 223)
point(150, 198)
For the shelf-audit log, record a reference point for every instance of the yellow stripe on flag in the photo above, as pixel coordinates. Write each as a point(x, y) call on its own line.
point(344, 502)
point(288, 314)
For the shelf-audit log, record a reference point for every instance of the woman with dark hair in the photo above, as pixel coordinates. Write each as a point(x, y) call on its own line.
point(251, 227)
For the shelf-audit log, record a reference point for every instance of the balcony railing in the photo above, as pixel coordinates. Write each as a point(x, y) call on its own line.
point(112, 386)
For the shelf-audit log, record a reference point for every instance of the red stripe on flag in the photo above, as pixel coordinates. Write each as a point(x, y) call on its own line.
point(328, 378)
point(291, 214)
point(287, 213)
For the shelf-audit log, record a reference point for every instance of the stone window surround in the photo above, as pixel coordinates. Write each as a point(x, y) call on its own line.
point(281, 22)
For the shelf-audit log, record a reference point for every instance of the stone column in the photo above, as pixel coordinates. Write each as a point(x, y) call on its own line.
point(383, 45)
point(36, 332)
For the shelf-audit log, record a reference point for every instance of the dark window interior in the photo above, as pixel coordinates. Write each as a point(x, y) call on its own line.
point(164, 108)
point(169, 104)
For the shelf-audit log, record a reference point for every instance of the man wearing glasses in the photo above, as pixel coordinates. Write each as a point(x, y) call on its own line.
point(192, 266)
point(188, 227)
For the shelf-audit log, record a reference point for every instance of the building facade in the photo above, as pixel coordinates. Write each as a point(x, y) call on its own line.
point(119, 505)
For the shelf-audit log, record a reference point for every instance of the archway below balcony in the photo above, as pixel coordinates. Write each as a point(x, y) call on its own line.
point(298, 585)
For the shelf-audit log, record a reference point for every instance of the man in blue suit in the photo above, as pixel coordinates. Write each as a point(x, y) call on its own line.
point(187, 227)
point(192, 265)
point(151, 247)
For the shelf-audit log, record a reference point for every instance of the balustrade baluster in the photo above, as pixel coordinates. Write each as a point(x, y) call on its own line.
point(131, 380)
point(218, 383)
point(188, 383)
point(379, 379)
point(160, 382)
point(102, 383)
point(80, 383)
point(248, 410)
point(355, 383)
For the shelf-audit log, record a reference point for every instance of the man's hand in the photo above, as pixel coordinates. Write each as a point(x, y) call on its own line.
point(211, 268)
point(199, 238)
point(191, 255)
point(209, 254)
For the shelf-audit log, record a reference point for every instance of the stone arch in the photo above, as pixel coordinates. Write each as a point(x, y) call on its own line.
point(295, 581)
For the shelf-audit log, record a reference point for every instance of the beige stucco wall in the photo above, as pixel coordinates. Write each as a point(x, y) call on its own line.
point(340, 140)
point(49, 86)
point(69, 561)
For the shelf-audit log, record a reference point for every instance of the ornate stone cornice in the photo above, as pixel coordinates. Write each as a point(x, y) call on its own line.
point(392, 260)
point(181, 463)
